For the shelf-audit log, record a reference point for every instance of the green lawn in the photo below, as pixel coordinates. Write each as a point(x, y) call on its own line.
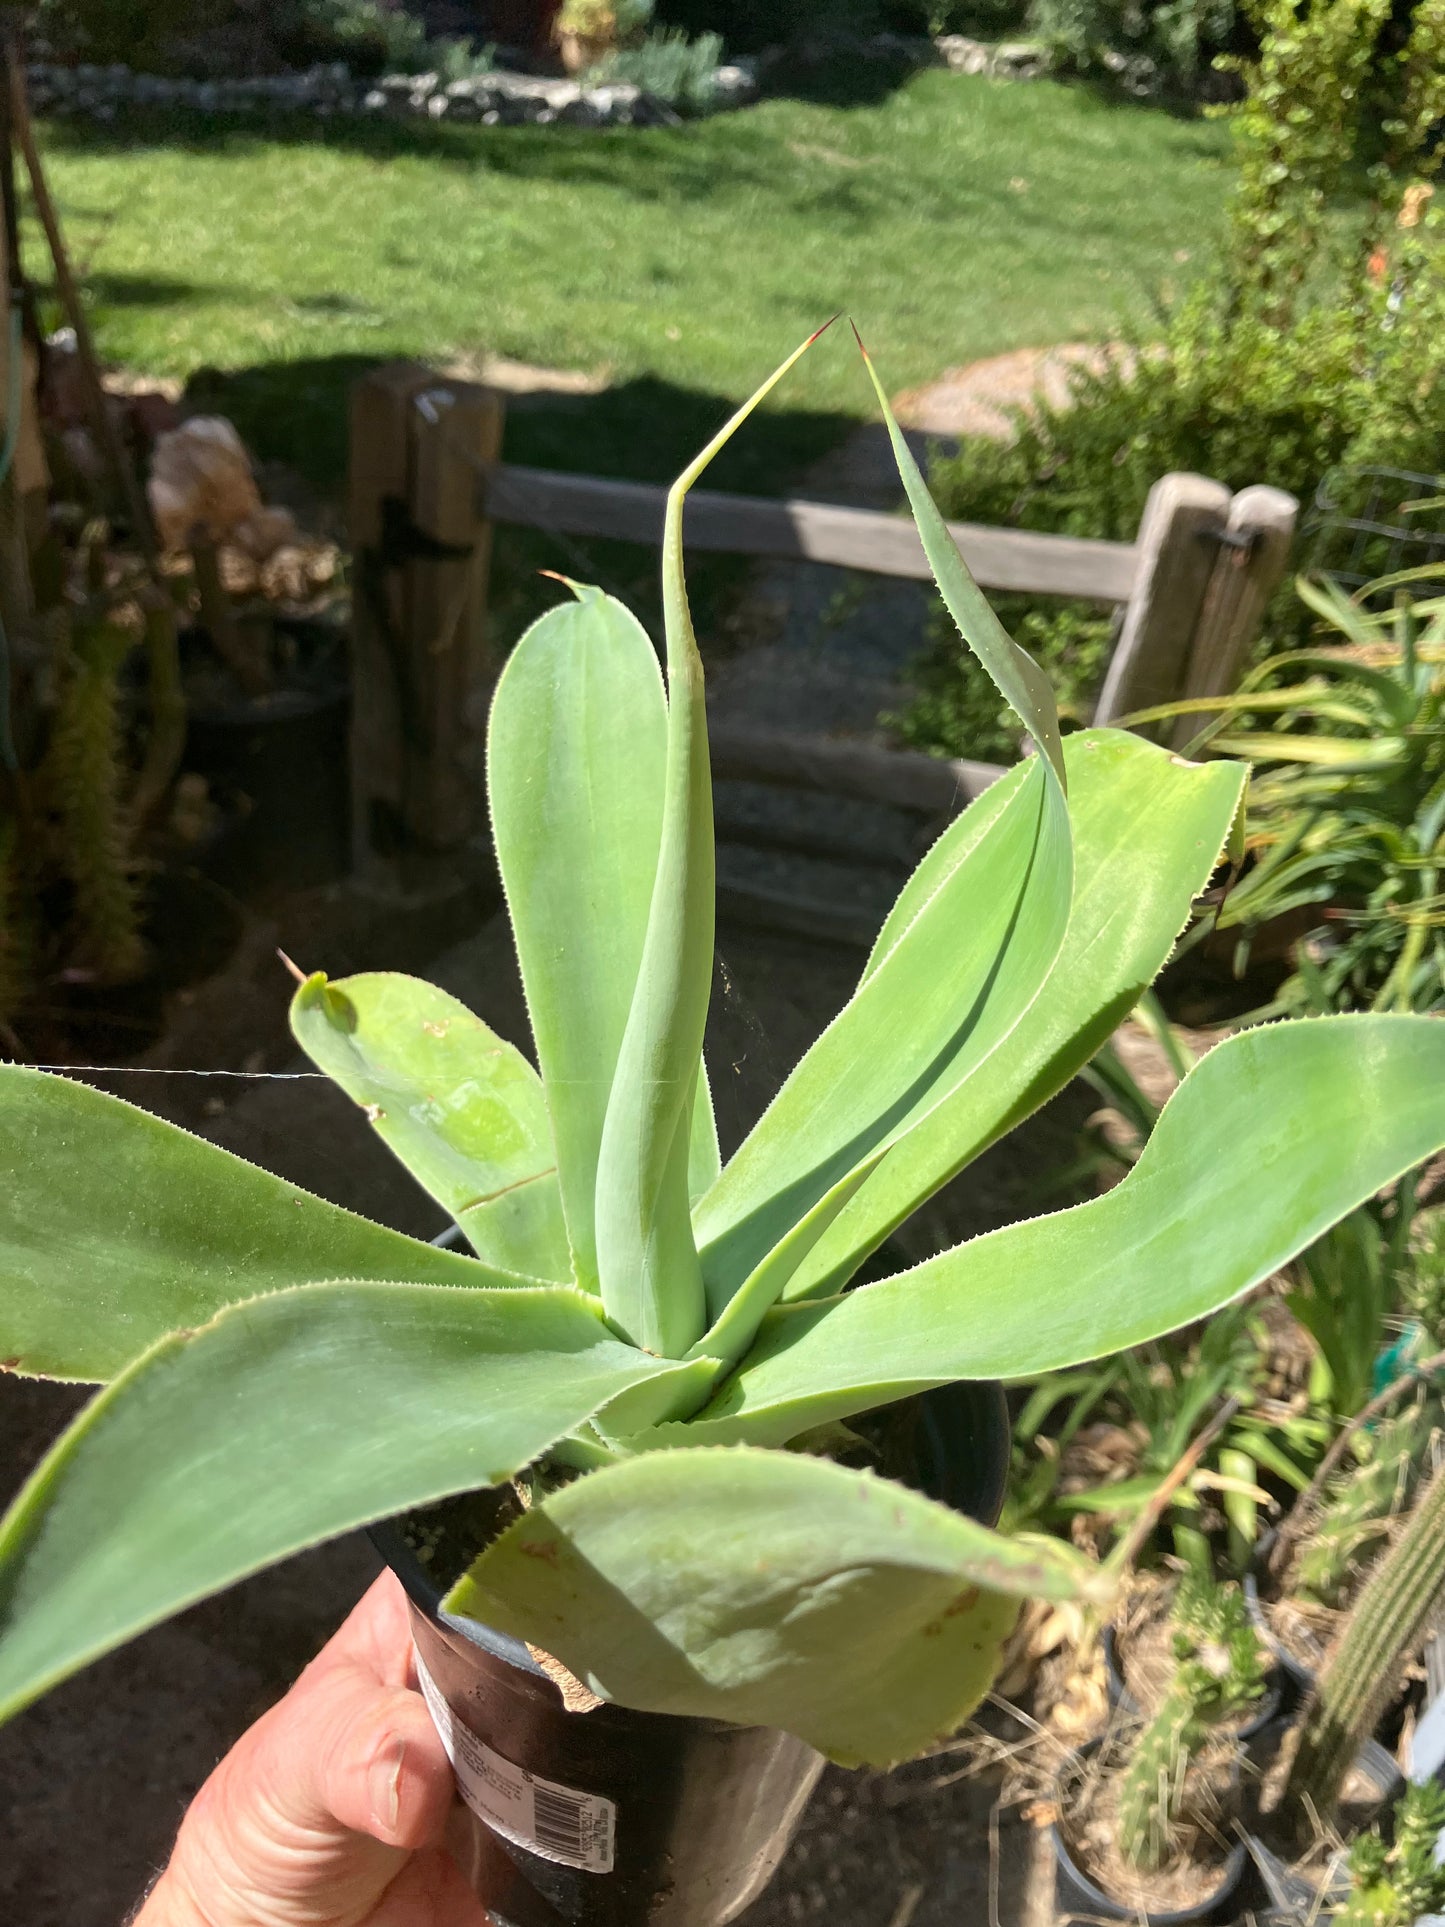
point(957, 218)
point(954, 218)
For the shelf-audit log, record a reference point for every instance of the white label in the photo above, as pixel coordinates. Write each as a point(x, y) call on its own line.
point(557, 1822)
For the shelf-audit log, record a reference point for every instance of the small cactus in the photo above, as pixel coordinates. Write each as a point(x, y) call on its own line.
point(85, 771)
point(1396, 1886)
point(1361, 1501)
point(1220, 1671)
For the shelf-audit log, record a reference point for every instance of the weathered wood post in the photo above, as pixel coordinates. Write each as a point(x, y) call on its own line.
point(456, 437)
point(1253, 555)
point(1177, 554)
point(421, 674)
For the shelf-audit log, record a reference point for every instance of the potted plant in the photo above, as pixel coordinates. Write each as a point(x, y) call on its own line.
point(586, 30)
point(1398, 1882)
point(1160, 1624)
point(654, 1361)
point(1145, 1813)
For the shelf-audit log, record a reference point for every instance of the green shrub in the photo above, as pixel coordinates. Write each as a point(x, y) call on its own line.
point(1317, 344)
point(1168, 41)
point(667, 65)
point(218, 36)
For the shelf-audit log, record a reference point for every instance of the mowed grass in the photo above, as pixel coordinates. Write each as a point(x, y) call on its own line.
point(953, 218)
point(958, 217)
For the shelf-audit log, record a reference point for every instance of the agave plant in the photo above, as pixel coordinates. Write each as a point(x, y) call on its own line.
point(651, 1332)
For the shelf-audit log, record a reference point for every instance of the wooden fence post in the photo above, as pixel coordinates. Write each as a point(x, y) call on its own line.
point(1249, 567)
point(1176, 560)
point(420, 669)
point(456, 437)
point(377, 485)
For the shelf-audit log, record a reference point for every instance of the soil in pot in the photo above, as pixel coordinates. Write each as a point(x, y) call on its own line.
point(1203, 1867)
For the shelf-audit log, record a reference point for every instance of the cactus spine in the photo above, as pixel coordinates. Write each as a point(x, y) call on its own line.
point(1388, 1620)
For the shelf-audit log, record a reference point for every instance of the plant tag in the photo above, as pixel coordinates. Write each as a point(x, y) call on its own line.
point(558, 1822)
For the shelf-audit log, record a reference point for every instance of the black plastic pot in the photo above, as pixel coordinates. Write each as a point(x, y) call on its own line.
point(1291, 1900)
point(1266, 1710)
point(1076, 1894)
point(613, 1818)
point(277, 764)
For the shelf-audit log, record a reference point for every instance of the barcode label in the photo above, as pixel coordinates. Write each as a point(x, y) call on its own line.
point(559, 1822)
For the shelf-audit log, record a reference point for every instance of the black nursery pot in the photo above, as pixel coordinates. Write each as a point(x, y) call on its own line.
point(1077, 1895)
point(278, 764)
point(613, 1818)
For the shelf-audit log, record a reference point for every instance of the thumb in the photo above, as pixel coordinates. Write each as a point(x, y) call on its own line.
point(320, 1805)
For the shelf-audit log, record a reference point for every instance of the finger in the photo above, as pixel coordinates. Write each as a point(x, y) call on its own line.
point(430, 1892)
point(376, 1634)
point(386, 1772)
point(343, 1753)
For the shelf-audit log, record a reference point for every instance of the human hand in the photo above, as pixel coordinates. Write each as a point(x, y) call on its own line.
point(330, 1811)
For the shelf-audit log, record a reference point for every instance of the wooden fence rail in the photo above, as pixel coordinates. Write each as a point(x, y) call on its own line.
point(428, 488)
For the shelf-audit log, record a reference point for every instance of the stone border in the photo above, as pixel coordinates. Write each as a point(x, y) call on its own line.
point(496, 98)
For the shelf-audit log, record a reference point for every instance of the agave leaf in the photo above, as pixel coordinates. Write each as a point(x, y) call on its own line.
point(1147, 833)
point(1351, 756)
point(704, 1160)
point(1017, 677)
point(284, 1421)
point(461, 1108)
point(647, 1259)
point(965, 954)
point(945, 996)
point(744, 1586)
point(116, 1228)
point(1272, 1138)
point(576, 754)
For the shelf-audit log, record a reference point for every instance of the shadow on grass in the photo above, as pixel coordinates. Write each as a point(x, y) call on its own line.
point(644, 430)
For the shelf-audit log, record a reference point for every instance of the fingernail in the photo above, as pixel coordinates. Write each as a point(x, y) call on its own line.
point(385, 1787)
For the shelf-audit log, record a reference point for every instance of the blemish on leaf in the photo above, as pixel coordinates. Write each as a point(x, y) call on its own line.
point(436, 1030)
point(374, 1113)
point(542, 1549)
point(339, 1009)
point(965, 1602)
point(9, 1364)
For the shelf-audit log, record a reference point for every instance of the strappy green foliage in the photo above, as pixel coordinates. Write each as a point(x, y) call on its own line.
point(668, 1329)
